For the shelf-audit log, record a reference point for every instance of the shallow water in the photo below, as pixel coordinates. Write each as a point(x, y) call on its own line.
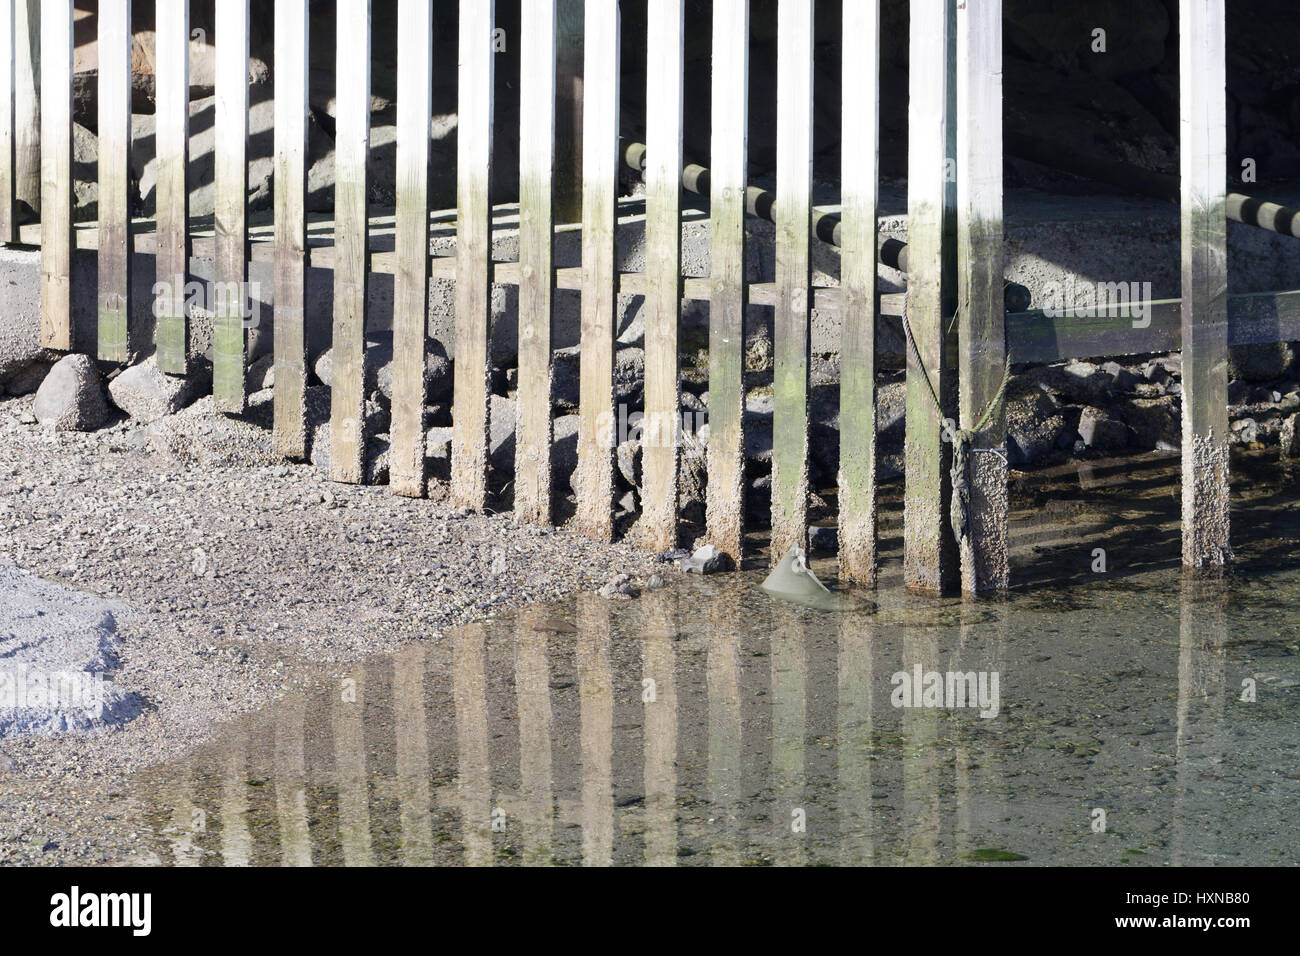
point(709, 724)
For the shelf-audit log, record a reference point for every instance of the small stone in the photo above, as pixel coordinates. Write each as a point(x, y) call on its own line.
point(655, 582)
point(618, 587)
point(705, 560)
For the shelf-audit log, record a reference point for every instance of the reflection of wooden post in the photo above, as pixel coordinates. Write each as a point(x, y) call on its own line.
point(854, 751)
point(27, 102)
point(183, 820)
point(789, 731)
point(533, 704)
point(1201, 690)
point(474, 779)
point(350, 773)
point(413, 757)
point(723, 679)
point(920, 760)
point(596, 697)
point(290, 783)
point(236, 846)
point(568, 111)
point(659, 662)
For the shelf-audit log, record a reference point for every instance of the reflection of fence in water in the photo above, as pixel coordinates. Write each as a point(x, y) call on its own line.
point(521, 743)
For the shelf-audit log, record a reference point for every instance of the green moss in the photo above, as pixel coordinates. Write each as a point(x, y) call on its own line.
point(989, 855)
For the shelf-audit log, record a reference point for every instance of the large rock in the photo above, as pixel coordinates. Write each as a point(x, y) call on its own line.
point(1101, 431)
point(1259, 363)
point(1035, 428)
point(72, 396)
point(147, 393)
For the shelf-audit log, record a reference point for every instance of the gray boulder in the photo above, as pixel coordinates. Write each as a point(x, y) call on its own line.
point(147, 393)
point(72, 396)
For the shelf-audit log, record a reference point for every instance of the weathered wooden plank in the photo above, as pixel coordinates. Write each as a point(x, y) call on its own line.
point(291, 782)
point(26, 92)
point(593, 482)
point(1203, 152)
point(728, 288)
point(537, 168)
point(56, 175)
point(114, 259)
point(348, 436)
point(411, 243)
point(980, 305)
point(171, 331)
point(657, 528)
point(469, 443)
point(791, 325)
point(929, 551)
point(230, 177)
point(859, 177)
point(474, 768)
point(292, 40)
point(8, 226)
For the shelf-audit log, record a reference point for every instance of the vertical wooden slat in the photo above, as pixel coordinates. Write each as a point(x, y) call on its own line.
point(8, 51)
point(789, 696)
point(469, 445)
point(171, 333)
point(593, 482)
point(791, 328)
point(474, 769)
point(725, 508)
point(351, 148)
point(663, 260)
point(726, 740)
point(56, 175)
point(27, 102)
point(533, 706)
point(1205, 283)
point(291, 783)
point(859, 169)
point(230, 204)
point(114, 259)
point(236, 843)
point(981, 312)
point(537, 167)
point(411, 281)
point(929, 551)
point(292, 41)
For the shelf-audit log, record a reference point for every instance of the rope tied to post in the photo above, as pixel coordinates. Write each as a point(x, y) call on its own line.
point(962, 444)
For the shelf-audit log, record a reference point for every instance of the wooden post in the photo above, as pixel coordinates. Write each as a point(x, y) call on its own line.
point(596, 715)
point(469, 445)
point(568, 110)
point(474, 768)
point(1201, 38)
point(412, 733)
point(351, 239)
point(859, 172)
point(171, 332)
point(230, 205)
point(537, 168)
point(729, 288)
point(292, 40)
point(351, 777)
point(593, 482)
point(56, 175)
point(406, 461)
point(291, 783)
point(27, 102)
point(981, 309)
point(929, 549)
point(114, 259)
point(533, 707)
point(8, 228)
point(663, 262)
point(794, 158)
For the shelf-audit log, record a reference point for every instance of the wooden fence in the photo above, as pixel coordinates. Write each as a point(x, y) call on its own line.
point(959, 333)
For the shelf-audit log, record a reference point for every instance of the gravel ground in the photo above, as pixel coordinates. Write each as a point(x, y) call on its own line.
point(236, 575)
